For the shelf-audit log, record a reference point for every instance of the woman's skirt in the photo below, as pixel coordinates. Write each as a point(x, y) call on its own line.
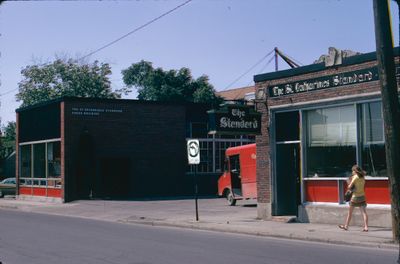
point(358, 201)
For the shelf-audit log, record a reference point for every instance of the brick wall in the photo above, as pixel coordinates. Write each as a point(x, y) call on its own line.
point(117, 148)
point(328, 95)
point(147, 139)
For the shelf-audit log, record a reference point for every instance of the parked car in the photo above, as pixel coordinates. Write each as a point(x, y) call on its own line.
point(7, 187)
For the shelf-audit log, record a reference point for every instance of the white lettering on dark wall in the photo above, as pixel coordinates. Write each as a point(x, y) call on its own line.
point(325, 82)
point(226, 122)
point(356, 78)
point(237, 112)
point(238, 119)
point(84, 111)
point(234, 120)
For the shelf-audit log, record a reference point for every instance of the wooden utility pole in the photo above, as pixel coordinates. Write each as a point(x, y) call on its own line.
point(398, 7)
point(390, 106)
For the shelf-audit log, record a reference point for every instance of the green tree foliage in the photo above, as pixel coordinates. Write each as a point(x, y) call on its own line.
point(7, 143)
point(155, 84)
point(65, 78)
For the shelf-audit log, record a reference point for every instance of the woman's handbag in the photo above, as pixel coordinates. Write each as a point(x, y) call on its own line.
point(347, 195)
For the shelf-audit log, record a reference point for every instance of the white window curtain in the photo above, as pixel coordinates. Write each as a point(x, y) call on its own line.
point(334, 126)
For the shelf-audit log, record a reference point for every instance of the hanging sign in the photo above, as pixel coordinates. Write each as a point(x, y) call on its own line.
point(235, 120)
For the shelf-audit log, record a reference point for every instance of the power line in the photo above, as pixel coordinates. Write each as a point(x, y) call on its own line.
point(266, 65)
point(251, 68)
point(263, 68)
point(122, 37)
point(136, 29)
point(8, 92)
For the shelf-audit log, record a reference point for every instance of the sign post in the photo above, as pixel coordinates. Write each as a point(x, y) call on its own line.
point(193, 150)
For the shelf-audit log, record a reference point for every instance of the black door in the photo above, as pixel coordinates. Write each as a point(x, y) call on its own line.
point(286, 185)
point(287, 179)
point(115, 180)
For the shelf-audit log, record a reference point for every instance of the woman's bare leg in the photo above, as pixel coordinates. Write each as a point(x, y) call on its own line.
point(349, 214)
point(365, 217)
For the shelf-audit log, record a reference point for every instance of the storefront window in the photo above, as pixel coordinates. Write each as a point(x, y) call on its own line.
point(26, 161)
point(53, 159)
point(373, 143)
point(39, 162)
point(37, 169)
point(331, 141)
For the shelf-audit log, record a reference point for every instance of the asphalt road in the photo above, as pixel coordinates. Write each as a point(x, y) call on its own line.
point(39, 238)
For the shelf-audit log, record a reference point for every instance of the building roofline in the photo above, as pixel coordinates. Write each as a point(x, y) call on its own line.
point(356, 59)
point(108, 100)
point(49, 102)
point(238, 88)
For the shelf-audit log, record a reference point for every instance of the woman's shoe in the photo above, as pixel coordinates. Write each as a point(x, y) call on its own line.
point(343, 227)
point(365, 230)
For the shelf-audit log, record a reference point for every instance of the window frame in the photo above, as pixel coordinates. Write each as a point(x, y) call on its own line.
point(33, 181)
point(306, 137)
point(304, 130)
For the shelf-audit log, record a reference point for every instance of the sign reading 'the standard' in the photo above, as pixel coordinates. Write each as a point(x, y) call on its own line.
point(234, 120)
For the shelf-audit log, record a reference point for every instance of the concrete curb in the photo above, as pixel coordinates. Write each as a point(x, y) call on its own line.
point(235, 230)
point(236, 224)
point(14, 207)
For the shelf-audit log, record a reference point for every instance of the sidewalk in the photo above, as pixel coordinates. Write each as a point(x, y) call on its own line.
point(214, 214)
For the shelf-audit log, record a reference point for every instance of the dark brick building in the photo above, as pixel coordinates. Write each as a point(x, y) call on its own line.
point(318, 121)
point(76, 148)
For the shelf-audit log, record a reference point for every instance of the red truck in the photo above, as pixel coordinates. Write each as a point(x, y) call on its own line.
point(239, 178)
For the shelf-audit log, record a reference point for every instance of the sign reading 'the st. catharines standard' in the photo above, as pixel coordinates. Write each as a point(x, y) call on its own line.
point(234, 120)
point(342, 79)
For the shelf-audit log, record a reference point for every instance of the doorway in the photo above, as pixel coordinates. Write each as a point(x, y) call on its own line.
point(286, 179)
point(115, 178)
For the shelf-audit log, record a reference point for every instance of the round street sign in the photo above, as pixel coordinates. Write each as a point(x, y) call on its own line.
point(193, 149)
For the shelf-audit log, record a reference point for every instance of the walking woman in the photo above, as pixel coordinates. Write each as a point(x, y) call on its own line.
point(357, 183)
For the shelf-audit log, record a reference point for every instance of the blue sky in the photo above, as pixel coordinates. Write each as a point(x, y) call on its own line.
point(219, 38)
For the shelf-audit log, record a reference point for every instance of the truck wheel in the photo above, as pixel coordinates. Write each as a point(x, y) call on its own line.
point(1, 194)
point(230, 198)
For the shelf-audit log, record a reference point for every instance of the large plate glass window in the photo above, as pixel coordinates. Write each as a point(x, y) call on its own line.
point(26, 161)
point(54, 159)
point(54, 164)
point(331, 141)
point(373, 142)
point(39, 163)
